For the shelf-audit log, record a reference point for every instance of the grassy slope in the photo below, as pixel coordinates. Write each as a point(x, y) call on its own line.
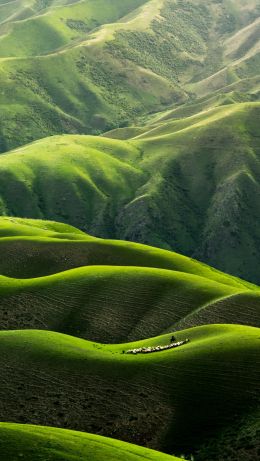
point(72, 91)
point(11, 227)
point(166, 394)
point(114, 304)
point(73, 179)
point(42, 443)
point(96, 79)
point(55, 27)
point(26, 255)
point(145, 190)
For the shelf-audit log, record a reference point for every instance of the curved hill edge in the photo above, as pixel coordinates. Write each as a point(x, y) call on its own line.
point(61, 345)
point(37, 441)
point(114, 303)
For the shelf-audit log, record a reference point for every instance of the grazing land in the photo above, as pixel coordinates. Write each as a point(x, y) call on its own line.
point(157, 400)
point(129, 230)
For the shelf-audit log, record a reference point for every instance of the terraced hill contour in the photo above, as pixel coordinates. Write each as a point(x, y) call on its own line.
point(114, 297)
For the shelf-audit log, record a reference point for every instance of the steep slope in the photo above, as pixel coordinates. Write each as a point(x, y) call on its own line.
point(37, 443)
point(208, 211)
point(164, 400)
point(146, 188)
point(90, 66)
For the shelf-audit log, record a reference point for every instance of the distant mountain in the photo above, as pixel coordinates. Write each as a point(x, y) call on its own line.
point(93, 65)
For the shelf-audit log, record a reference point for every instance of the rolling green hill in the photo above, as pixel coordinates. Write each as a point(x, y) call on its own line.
point(129, 160)
point(145, 187)
point(53, 27)
point(113, 304)
point(60, 176)
point(114, 297)
point(205, 191)
point(36, 443)
point(117, 292)
point(164, 400)
point(34, 248)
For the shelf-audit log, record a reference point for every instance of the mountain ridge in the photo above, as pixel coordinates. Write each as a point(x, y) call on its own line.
point(38, 101)
point(142, 187)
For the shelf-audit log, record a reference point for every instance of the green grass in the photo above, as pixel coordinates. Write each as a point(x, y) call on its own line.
point(160, 401)
point(11, 227)
point(163, 400)
point(37, 443)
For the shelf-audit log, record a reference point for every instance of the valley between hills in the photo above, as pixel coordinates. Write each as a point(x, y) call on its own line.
point(129, 219)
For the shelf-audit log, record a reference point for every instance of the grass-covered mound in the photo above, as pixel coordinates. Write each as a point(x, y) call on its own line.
point(78, 179)
point(165, 400)
point(35, 443)
point(114, 304)
point(34, 248)
point(18, 227)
